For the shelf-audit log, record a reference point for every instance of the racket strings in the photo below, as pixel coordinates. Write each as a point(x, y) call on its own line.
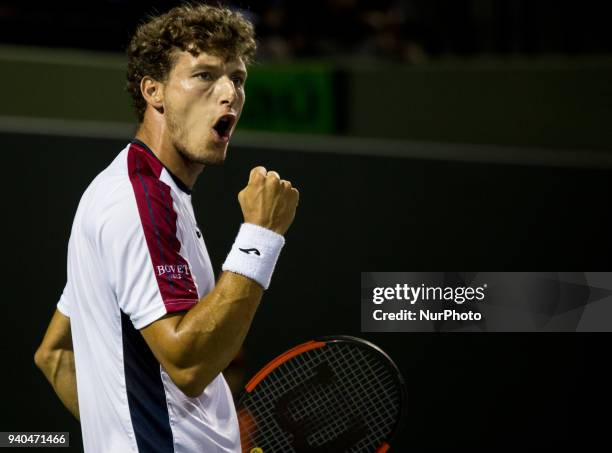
point(363, 394)
point(326, 411)
point(339, 426)
point(333, 431)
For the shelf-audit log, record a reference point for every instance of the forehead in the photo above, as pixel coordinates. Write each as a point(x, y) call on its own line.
point(184, 60)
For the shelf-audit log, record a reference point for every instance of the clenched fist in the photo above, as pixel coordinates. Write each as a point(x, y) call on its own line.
point(268, 201)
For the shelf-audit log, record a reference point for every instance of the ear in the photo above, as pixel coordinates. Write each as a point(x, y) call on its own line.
point(152, 91)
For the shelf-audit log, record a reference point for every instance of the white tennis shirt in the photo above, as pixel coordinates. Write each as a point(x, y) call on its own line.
point(135, 254)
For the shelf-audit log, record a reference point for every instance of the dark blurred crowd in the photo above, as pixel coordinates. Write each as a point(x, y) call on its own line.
point(340, 28)
point(403, 30)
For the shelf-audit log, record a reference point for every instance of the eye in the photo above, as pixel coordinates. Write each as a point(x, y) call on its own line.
point(238, 80)
point(207, 76)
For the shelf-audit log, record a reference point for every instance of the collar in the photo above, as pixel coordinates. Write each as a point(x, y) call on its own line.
point(180, 184)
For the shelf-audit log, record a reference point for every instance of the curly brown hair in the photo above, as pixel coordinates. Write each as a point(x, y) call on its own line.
point(190, 27)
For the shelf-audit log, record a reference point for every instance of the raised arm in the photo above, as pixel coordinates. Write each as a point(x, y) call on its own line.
point(196, 346)
point(55, 358)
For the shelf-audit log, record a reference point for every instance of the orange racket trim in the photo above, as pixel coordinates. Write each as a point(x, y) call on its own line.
point(275, 363)
point(383, 448)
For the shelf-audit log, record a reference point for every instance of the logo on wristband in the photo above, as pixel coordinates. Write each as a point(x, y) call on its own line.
point(248, 251)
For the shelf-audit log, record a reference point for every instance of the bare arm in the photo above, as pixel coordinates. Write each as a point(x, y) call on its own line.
point(196, 346)
point(55, 358)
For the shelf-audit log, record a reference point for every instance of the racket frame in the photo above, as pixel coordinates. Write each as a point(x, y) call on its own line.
point(323, 341)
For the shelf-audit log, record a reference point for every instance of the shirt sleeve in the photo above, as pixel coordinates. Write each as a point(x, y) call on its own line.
point(147, 272)
point(64, 304)
point(66, 301)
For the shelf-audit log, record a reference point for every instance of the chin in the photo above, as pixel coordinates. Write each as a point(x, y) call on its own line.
point(212, 154)
point(212, 160)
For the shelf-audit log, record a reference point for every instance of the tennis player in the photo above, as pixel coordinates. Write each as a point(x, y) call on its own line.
point(142, 330)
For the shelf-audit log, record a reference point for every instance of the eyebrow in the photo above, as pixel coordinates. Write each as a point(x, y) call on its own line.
point(206, 66)
point(213, 67)
point(241, 72)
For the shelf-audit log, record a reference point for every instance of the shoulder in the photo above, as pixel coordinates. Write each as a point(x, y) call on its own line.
point(108, 197)
point(130, 195)
point(127, 197)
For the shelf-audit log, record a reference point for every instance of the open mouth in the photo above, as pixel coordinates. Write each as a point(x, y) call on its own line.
point(223, 126)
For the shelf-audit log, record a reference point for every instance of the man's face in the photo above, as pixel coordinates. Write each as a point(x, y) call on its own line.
point(203, 99)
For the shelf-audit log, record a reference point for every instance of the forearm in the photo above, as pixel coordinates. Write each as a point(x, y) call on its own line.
point(58, 367)
point(212, 332)
point(195, 347)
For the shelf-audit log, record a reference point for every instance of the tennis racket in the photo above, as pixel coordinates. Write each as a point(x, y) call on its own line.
point(331, 395)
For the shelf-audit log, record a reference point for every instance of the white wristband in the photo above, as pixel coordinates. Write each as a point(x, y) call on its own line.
point(254, 253)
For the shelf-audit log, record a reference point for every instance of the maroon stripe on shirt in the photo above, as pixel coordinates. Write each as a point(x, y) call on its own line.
point(158, 219)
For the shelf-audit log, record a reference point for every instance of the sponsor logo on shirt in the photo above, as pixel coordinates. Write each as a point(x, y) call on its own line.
point(173, 271)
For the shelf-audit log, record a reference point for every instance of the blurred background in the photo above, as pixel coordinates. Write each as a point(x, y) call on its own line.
point(423, 136)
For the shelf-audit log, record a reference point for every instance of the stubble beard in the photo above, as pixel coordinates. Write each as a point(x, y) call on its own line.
point(209, 154)
point(209, 158)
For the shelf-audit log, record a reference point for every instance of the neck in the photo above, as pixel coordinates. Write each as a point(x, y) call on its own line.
point(157, 139)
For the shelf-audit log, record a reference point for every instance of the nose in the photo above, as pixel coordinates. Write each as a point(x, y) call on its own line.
point(227, 91)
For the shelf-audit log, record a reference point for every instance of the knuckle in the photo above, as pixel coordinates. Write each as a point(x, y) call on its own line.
point(257, 173)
